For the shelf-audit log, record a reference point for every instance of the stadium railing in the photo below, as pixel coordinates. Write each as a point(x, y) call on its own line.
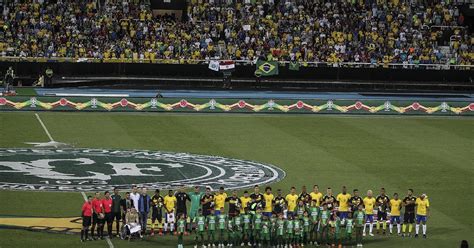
point(446, 66)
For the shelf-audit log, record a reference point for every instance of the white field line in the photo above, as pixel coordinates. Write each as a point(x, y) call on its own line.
point(44, 127)
point(109, 242)
point(84, 196)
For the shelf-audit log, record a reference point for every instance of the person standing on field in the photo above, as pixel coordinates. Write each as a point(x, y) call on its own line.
point(107, 210)
point(395, 207)
point(157, 212)
point(316, 195)
point(96, 214)
point(116, 209)
point(195, 197)
point(343, 202)
point(422, 213)
point(135, 196)
point(219, 200)
point(383, 204)
point(86, 218)
point(181, 200)
point(369, 204)
point(144, 209)
point(409, 215)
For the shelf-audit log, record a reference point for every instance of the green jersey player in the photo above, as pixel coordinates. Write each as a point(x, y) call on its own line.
point(247, 227)
point(265, 233)
point(306, 227)
point(257, 226)
point(221, 225)
point(314, 216)
point(200, 221)
point(359, 223)
point(349, 226)
point(324, 222)
point(181, 226)
point(298, 233)
point(211, 228)
point(289, 230)
point(280, 231)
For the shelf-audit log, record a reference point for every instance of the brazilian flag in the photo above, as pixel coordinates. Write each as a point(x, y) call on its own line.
point(267, 68)
point(294, 66)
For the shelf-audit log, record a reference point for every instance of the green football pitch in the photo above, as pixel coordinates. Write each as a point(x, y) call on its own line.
point(433, 155)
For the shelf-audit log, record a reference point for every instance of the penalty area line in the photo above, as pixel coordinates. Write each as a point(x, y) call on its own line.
point(44, 127)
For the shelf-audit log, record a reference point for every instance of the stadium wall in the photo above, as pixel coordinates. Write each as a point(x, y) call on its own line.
point(85, 104)
point(322, 72)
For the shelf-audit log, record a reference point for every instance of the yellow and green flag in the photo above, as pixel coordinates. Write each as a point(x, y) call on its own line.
point(267, 68)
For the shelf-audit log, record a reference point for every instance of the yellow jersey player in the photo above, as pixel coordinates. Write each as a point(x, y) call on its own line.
point(268, 202)
point(170, 203)
point(291, 199)
point(343, 201)
point(369, 204)
point(422, 213)
point(316, 195)
point(395, 206)
point(219, 200)
point(244, 200)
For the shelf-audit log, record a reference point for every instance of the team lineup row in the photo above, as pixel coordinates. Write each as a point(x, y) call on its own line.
point(305, 218)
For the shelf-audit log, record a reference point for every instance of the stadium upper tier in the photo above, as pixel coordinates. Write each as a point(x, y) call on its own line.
point(367, 31)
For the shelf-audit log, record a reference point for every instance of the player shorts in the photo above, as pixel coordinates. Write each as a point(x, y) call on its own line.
point(395, 219)
point(290, 214)
point(117, 216)
point(369, 218)
point(170, 218)
point(381, 215)
point(421, 218)
point(217, 212)
point(156, 215)
point(268, 214)
point(179, 212)
point(233, 214)
point(86, 221)
point(343, 215)
point(96, 220)
point(409, 217)
point(108, 217)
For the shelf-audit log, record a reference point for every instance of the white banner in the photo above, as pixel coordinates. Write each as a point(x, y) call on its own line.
point(214, 65)
point(227, 66)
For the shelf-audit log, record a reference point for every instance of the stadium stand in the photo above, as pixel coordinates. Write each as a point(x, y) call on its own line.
point(309, 31)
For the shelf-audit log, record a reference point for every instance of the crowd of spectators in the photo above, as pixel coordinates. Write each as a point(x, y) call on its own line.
point(371, 31)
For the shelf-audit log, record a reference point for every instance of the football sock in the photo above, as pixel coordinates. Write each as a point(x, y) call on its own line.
point(410, 228)
point(417, 228)
point(424, 229)
point(398, 228)
point(384, 225)
point(371, 227)
point(404, 228)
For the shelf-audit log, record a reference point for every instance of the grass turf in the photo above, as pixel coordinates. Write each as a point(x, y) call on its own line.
point(429, 154)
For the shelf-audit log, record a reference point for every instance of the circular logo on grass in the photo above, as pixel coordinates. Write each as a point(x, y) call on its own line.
point(97, 169)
